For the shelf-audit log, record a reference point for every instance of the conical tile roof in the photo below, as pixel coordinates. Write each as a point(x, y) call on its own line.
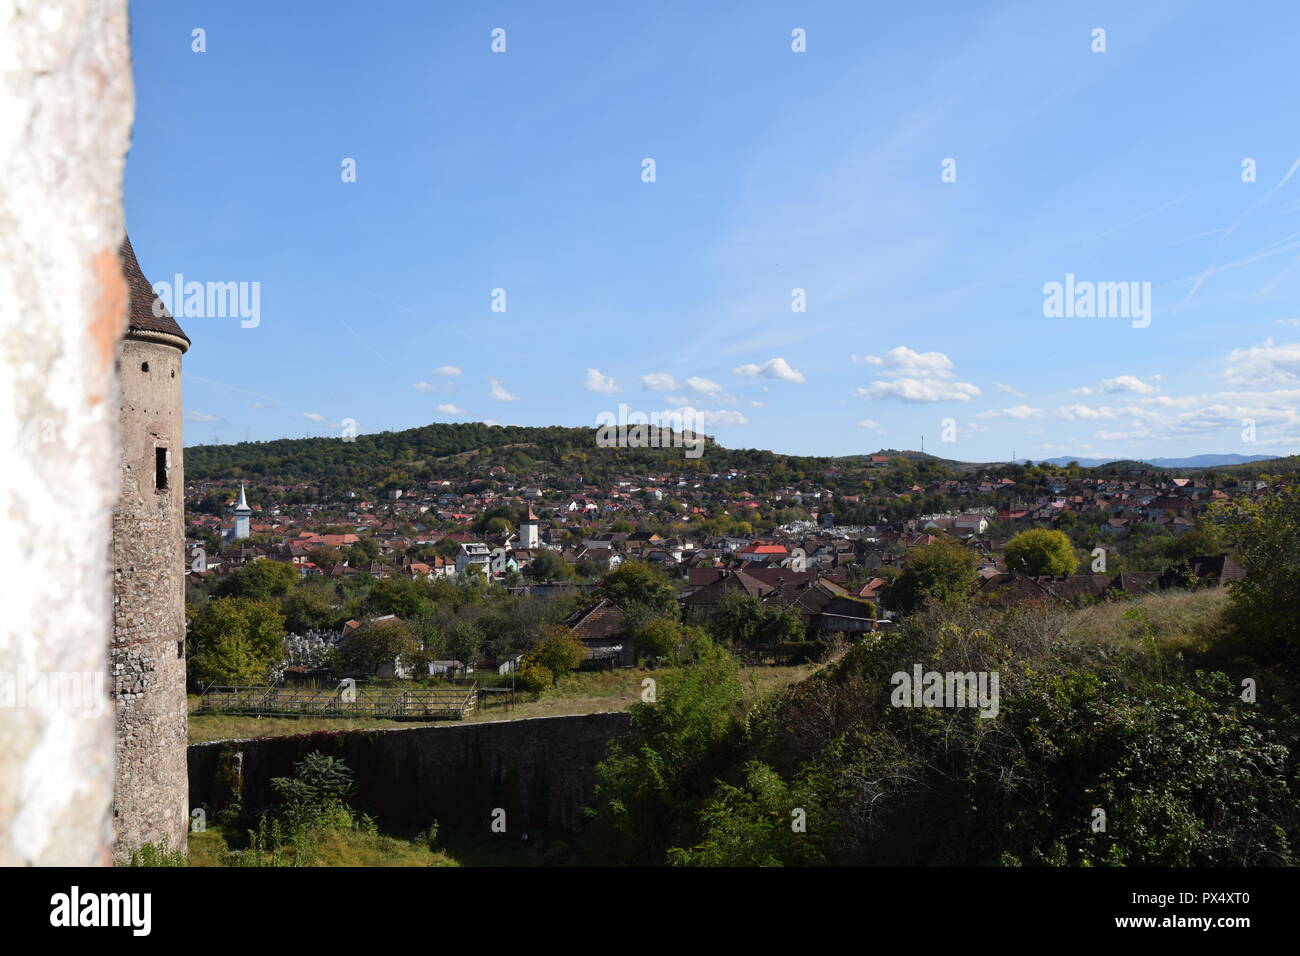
point(141, 313)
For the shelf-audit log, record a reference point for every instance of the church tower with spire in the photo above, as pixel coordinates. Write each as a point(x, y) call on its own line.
point(147, 654)
point(528, 530)
point(243, 515)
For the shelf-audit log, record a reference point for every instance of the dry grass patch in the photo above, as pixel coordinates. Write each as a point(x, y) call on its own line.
point(1178, 620)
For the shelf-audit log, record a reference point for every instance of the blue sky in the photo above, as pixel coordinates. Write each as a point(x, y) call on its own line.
point(774, 171)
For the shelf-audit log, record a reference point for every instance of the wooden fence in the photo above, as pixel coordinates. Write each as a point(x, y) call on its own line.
point(416, 704)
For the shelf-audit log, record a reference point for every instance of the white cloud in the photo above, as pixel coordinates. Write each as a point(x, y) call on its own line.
point(703, 386)
point(313, 417)
point(701, 417)
point(659, 382)
point(1072, 413)
point(1080, 412)
point(777, 368)
point(201, 417)
point(706, 387)
point(499, 392)
point(423, 387)
point(447, 370)
point(1266, 364)
point(1008, 389)
point(902, 361)
point(871, 426)
point(920, 390)
point(596, 382)
point(1123, 384)
point(722, 417)
point(450, 409)
point(916, 377)
point(1016, 411)
point(1218, 416)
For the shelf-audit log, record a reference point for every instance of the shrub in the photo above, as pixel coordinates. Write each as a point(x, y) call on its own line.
point(534, 676)
point(316, 795)
point(646, 789)
point(798, 652)
point(558, 650)
point(158, 854)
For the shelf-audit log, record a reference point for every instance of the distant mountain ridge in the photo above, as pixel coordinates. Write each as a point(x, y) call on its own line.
point(1195, 461)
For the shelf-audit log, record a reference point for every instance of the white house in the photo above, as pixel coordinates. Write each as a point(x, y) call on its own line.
point(473, 554)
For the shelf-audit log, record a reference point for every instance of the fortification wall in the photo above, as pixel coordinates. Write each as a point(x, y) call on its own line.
point(541, 770)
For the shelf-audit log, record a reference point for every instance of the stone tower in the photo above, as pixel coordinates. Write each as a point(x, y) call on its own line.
point(148, 650)
point(528, 530)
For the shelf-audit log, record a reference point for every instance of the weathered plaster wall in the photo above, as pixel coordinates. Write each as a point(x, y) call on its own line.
point(541, 771)
point(65, 118)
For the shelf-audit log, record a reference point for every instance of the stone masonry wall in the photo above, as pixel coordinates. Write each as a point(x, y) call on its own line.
point(147, 657)
point(541, 770)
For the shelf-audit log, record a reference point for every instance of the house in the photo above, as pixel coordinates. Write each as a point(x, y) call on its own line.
point(763, 551)
point(603, 632)
point(1203, 569)
point(970, 524)
point(473, 554)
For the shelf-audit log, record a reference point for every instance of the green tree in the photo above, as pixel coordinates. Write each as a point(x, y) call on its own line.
point(1040, 551)
point(1203, 538)
point(657, 638)
point(260, 580)
point(408, 598)
point(943, 570)
point(736, 619)
point(308, 608)
point(547, 565)
point(324, 557)
point(638, 583)
point(236, 641)
point(462, 640)
point(1265, 606)
point(377, 643)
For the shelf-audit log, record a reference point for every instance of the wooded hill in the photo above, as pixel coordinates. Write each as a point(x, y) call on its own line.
point(462, 451)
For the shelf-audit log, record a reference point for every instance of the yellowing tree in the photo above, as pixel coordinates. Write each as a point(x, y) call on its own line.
point(1040, 551)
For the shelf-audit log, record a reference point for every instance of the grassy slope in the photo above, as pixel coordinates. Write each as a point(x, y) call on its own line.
point(584, 693)
point(1180, 620)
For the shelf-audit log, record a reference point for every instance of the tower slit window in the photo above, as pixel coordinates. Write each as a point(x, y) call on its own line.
point(160, 468)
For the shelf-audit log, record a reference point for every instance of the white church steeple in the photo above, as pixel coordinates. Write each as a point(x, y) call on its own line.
point(243, 515)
